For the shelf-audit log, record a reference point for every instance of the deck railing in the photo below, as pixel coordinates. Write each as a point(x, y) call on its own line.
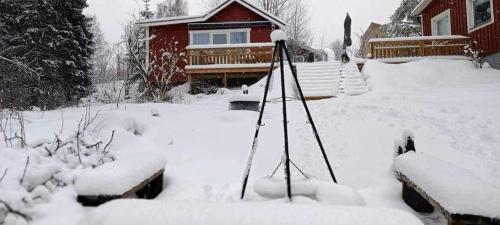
point(418, 46)
point(254, 53)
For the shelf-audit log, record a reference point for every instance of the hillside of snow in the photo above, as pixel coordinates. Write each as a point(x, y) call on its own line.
point(451, 107)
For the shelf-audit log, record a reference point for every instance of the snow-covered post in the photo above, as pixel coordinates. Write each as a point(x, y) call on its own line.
point(279, 37)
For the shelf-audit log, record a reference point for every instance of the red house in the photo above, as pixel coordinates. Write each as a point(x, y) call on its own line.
point(228, 46)
point(477, 19)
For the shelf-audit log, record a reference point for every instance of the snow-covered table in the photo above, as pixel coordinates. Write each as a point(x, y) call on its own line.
point(463, 198)
point(244, 102)
point(139, 174)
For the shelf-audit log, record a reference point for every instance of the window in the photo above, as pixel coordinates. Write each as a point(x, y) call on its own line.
point(238, 37)
point(441, 24)
point(479, 13)
point(299, 59)
point(201, 39)
point(220, 37)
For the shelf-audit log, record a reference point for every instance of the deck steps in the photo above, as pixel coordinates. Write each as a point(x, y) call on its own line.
point(352, 81)
point(319, 80)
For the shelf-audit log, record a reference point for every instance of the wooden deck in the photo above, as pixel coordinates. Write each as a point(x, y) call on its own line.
point(229, 58)
point(414, 47)
point(229, 61)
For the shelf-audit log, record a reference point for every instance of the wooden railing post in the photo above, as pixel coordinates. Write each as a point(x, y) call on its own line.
point(421, 45)
point(373, 56)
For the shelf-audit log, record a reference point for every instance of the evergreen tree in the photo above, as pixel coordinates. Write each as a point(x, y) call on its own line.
point(46, 48)
point(403, 24)
point(171, 8)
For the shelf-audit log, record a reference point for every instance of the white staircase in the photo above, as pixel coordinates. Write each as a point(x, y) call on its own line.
point(352, 81)
point(319, 80)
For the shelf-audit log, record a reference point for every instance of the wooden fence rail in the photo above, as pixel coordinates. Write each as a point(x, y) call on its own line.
point(241, 54)
point(418, 46)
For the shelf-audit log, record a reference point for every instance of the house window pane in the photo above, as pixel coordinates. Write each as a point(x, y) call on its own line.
point(482, 12)
point(443, 26)
point(220, 39)
point(201, 39)
point(239, 38)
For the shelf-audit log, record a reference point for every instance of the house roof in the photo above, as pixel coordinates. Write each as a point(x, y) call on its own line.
point(308, 48)
point(211, 13)
point(420, 7)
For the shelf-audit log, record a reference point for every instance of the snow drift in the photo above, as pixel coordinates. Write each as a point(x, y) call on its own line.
point(426, 74)
point(132, 212)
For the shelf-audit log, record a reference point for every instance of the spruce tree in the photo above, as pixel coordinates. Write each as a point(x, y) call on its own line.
point(46, 50)
point(403, 24)
point(171, 8)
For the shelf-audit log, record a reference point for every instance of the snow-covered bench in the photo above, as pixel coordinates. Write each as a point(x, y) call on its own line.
point(430, 183)
point(130, 175)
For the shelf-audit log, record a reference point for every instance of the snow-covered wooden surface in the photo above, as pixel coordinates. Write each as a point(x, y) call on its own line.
point(454, 188)
point(118, 177)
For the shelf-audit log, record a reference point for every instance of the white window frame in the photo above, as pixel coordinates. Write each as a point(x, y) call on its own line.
point(470, 16)
point(222, 31)
point(434, 21)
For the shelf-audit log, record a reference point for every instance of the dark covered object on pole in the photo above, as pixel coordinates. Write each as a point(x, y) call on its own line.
point(347, 38)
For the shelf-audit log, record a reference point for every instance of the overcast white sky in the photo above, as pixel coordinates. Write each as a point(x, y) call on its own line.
point(327, 16)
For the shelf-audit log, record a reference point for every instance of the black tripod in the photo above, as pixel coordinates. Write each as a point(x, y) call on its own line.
point(279, 49)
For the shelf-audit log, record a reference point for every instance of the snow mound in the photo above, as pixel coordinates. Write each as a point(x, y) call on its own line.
point(131, 212)
point(275, 85)
point(455, 188)
point(325, 192)
point(124, 174)
point(244, 98)
point(278, 35)
point(426, 74)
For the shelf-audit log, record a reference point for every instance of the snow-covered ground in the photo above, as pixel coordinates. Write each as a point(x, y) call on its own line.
point(451, 107)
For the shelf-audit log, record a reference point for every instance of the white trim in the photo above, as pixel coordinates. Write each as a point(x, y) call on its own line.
point(436, 19)
point(202, 18)
point(220, 31)
point(422, 24)
point(249, 45)
point(147, 44)
point(470, 17)
point(419, 38)
point(228, 66)
point(420, 7)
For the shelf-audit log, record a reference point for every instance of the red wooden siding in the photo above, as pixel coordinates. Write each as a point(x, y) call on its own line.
point(488, 37)
point(235, 12)
point(162, 34)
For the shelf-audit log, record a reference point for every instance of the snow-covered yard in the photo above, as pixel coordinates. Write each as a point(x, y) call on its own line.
point(451, 107)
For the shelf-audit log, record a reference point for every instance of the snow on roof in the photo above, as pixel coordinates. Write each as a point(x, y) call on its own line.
point(211, 13)
point(420, 7)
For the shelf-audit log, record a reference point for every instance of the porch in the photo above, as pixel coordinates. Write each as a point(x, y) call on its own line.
point(232, 61)
point(409, 49)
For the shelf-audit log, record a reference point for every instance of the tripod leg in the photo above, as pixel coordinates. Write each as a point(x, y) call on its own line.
point(259, 124)
point(309, 117)
point(285, 123)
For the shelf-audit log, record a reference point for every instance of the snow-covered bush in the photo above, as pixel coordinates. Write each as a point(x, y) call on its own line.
point(473, 52)
point(180, 94)
point(30, 174)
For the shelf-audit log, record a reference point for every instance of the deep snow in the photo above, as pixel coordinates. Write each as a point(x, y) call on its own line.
point(451, 107)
